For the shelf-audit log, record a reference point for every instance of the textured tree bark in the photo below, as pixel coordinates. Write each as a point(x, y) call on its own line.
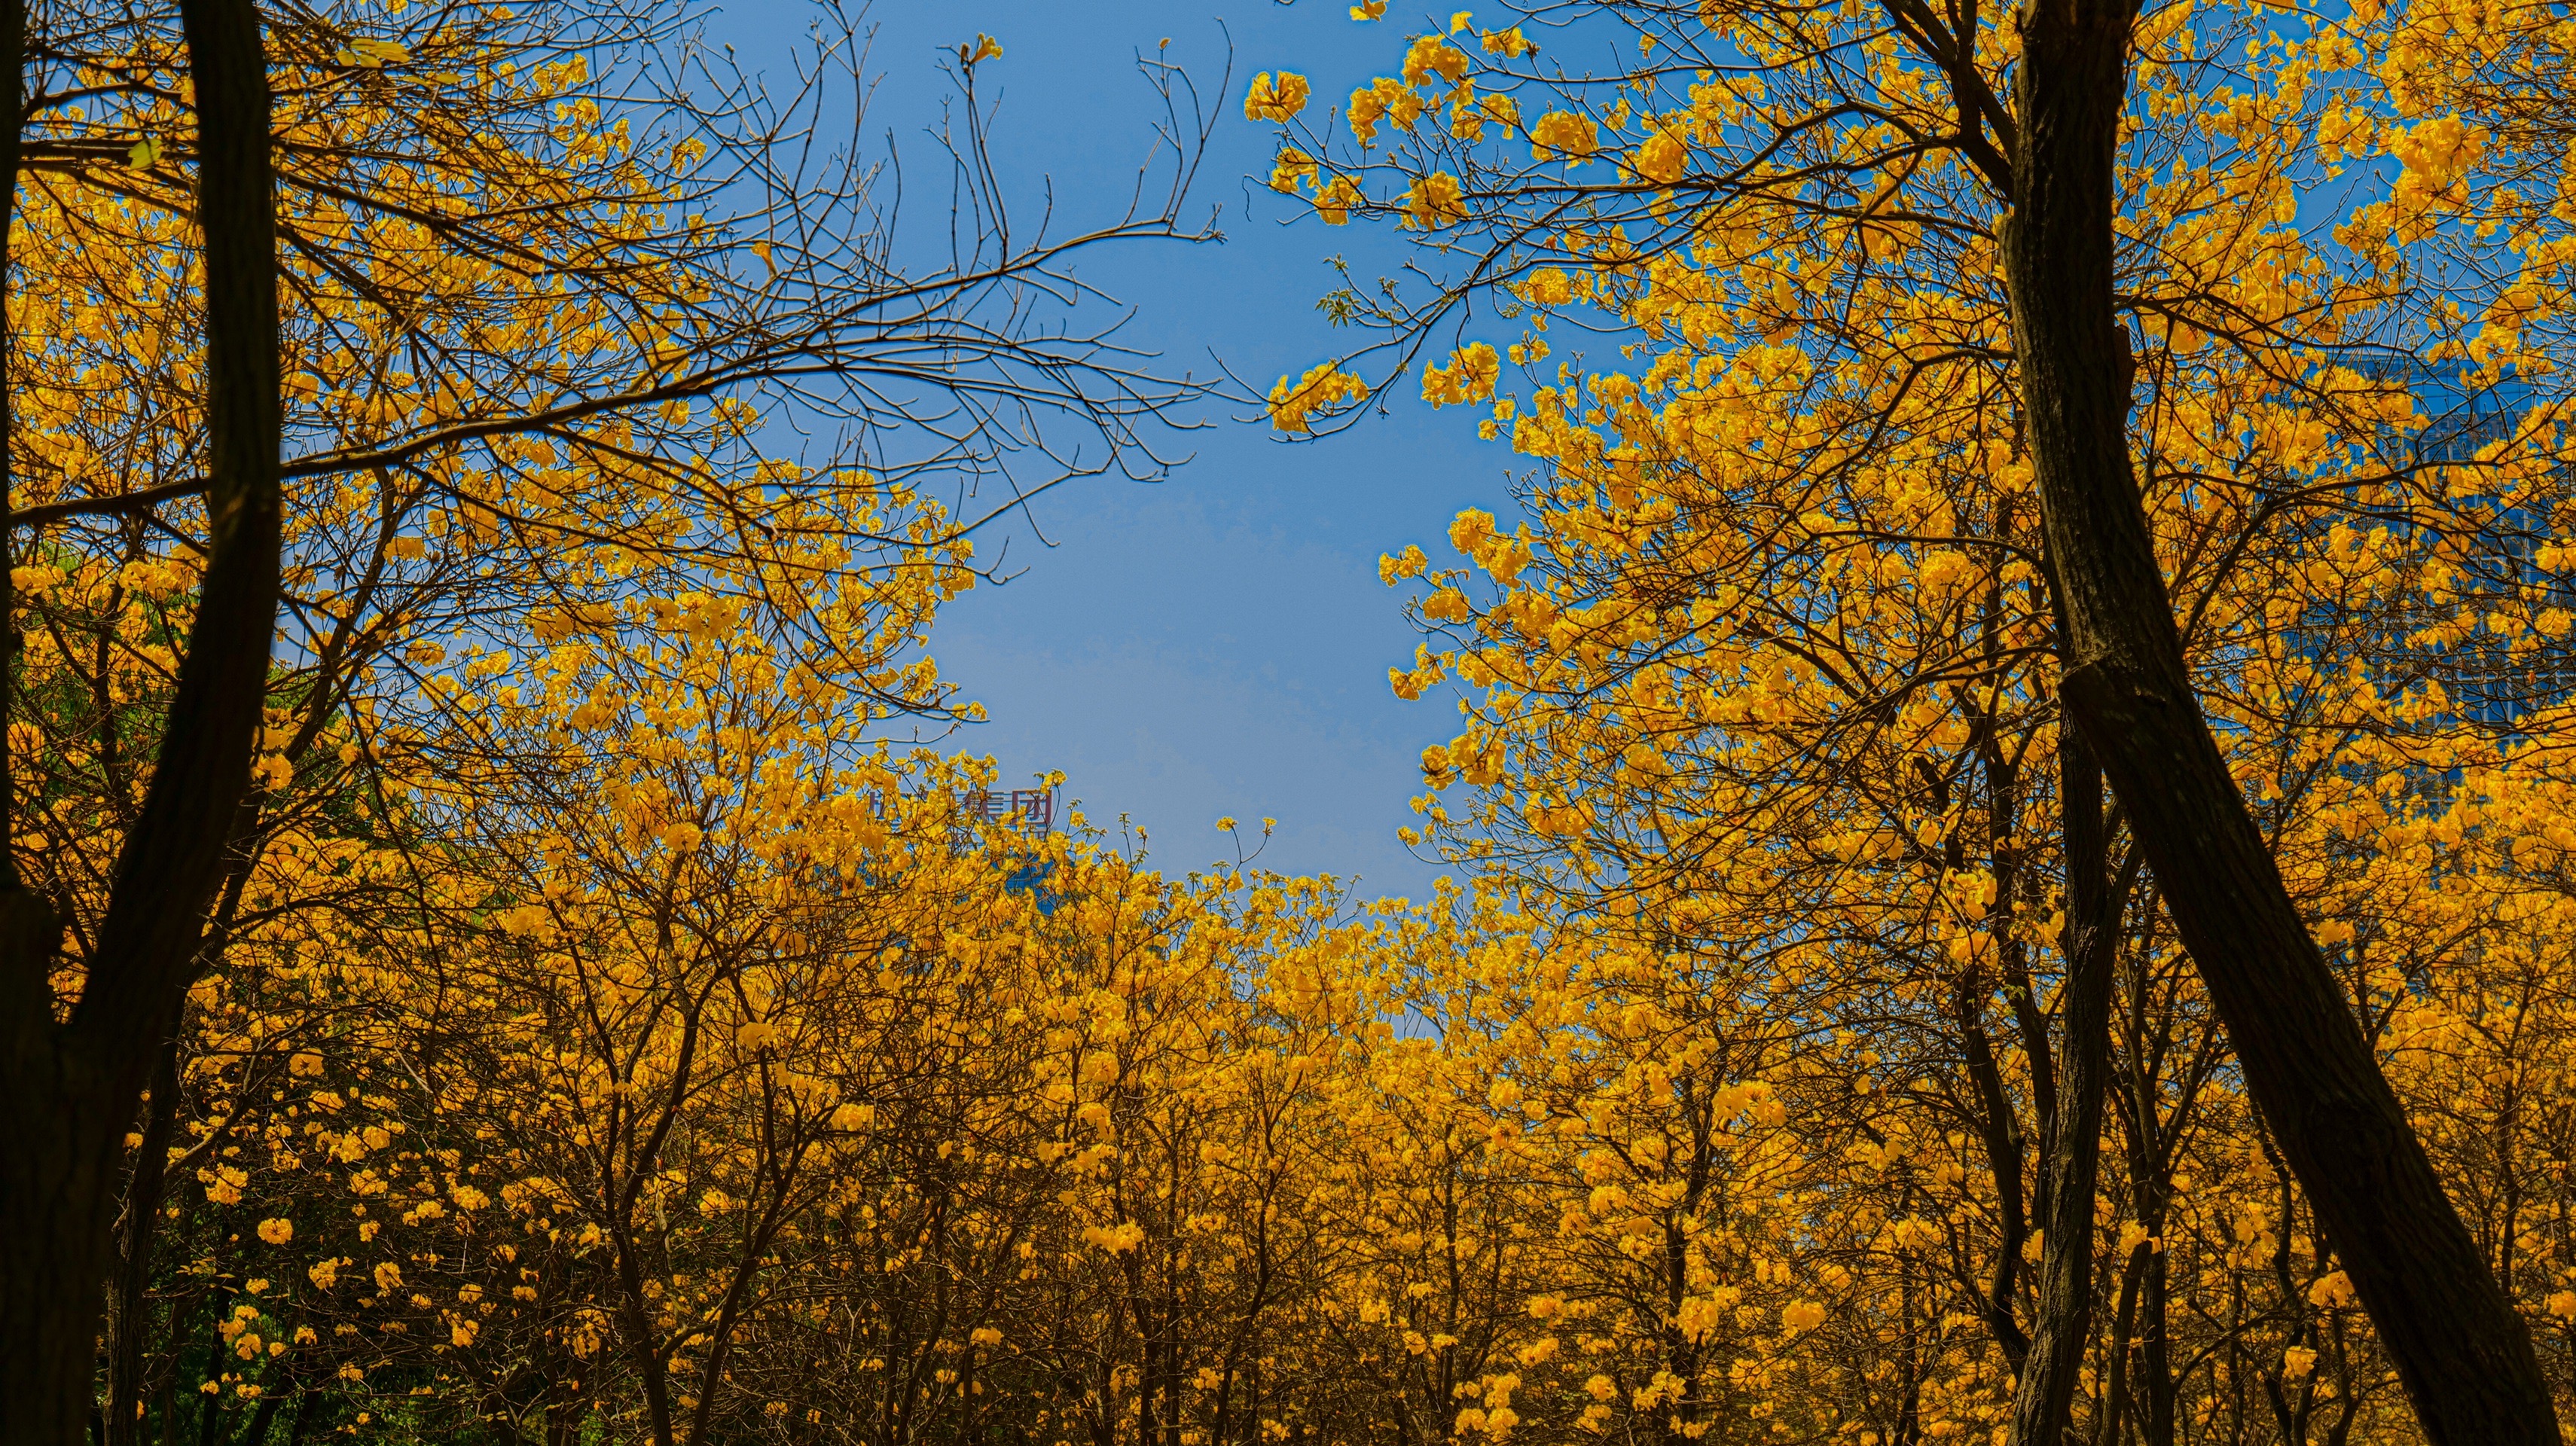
point(73, 1086)
point(2463, 1353)
point(2045, 1394)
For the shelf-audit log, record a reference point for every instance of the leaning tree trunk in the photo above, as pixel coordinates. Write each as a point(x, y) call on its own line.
point(73, 1086)
point(2463, 1353)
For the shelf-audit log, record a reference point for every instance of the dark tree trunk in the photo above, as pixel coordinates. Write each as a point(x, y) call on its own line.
point(2045, 1394)
point(127, 1311)
point(57, 1186)
point(73, 1087)
point(2462, 1352)
point(2001, 1126)
point(2155, 1379)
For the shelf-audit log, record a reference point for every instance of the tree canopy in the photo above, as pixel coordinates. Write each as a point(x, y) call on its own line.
point(2010, 862)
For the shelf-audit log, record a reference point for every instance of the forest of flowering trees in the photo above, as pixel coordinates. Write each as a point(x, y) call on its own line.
point(2008, 819)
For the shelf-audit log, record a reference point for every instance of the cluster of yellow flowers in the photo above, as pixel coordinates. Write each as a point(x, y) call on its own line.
point(1767, 673)
point(611, 1033)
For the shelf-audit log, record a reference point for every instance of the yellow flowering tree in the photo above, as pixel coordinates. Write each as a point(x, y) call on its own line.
point(1994, 386)
point(345, 345)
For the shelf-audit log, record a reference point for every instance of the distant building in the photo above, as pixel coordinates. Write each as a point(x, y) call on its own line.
point(2487, 678)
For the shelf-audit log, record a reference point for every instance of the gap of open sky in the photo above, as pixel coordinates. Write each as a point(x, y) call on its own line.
point(1218, 643)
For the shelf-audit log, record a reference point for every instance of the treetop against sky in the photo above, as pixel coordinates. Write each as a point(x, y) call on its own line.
point(1951, 622)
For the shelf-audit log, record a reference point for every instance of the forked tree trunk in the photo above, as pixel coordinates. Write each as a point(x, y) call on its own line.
point(2463, 1353)
point(72, 1087)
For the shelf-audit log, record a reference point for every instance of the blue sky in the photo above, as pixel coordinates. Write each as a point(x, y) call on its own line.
point(1217, 643)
